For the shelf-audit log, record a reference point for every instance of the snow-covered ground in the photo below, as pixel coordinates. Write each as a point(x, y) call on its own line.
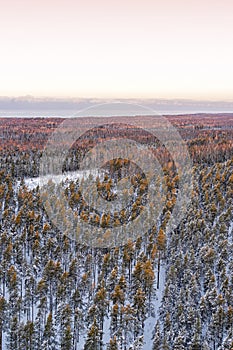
point(156, 302)
point(149, 323)
point(33, 182)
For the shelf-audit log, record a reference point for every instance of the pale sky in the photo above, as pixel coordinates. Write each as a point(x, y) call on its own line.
point(117, 49)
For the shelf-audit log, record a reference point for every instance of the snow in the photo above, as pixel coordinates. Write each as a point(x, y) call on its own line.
point(33, 182)
point(151, 320)
point(106, 335)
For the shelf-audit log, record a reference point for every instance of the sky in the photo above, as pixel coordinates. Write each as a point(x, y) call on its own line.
point(168, 49)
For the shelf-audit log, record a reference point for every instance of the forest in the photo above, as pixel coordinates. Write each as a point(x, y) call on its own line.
point(159, 291)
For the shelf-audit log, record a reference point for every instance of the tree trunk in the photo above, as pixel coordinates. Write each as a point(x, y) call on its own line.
point(158, 272)
point(1, 336)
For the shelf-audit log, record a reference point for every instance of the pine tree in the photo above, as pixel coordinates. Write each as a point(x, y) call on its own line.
point(65, 328)
point(140, 311)
point(49, 336)
point(3, 309)
point(195, 342)
point(28, 336)
point(165, 344)
point(13, 334)
point(66, 342)
point(157, 337)
point(93, 338)
point(179, 342)
point(113, 344)
point(101, 303)
point(127, 315)
point(161, 244)
point(205, 346)
point(148, 278)
point(118, 295)
point(138, 344)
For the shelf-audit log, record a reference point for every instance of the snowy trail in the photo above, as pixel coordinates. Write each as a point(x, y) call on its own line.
point(151, 321)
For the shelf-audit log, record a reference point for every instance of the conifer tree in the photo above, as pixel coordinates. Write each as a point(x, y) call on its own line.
point(113, 344)
point(93, 338)
point(157, 337)
point(49, 336)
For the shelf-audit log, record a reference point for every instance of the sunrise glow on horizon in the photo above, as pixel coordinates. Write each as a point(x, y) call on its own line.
point(109, 49)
